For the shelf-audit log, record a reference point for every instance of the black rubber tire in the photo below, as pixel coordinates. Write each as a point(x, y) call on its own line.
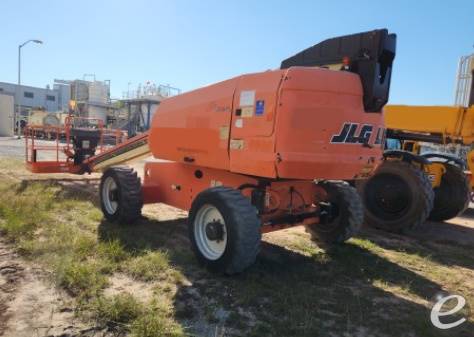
point(242, 227)
point(129, 194)
point(347, 220)
point(407, 184)
point(452, 196)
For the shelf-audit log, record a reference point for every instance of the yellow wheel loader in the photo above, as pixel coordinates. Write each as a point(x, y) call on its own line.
point(411, 186)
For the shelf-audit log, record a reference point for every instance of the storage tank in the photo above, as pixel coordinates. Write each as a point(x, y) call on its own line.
point(37, 117)
point(98, 112)
point(79, 90)
point(98, 92)
point(40, 117)
point(62, 117)
point(51, 119)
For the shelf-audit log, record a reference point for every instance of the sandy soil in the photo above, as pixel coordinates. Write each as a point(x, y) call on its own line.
point(29, 305)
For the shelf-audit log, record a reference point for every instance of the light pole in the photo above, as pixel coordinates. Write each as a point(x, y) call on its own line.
point(17, 115)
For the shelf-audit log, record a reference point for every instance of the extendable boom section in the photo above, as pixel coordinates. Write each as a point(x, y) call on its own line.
point(132, 149)
point(436, 124)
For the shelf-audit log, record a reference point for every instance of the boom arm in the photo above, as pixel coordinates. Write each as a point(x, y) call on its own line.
point(436, 124)
point(132, 149)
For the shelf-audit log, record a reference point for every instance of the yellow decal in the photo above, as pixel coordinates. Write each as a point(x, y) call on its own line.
point(224, 132)
point(215, 183)
point(236, 144)
point(247, 111)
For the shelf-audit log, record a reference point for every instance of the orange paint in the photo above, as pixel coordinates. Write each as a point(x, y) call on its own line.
point(178, 185)
point(303, 108)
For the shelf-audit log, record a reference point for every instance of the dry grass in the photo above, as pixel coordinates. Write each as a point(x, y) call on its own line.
point(32, 217)
point(375, 285)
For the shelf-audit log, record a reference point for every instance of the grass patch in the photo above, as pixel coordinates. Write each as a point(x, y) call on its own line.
point(80, 277)
point(123, 313)
point(24, 209)
point(119, 309)
point(112, 251)
point(157, 322)
point(152, 265)
point(55, 228)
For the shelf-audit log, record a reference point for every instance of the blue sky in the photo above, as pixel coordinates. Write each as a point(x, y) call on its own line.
point(192, 43)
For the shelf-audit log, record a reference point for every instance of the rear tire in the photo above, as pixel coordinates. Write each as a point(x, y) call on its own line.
point(397, 197)
point(121, 194)
point(344, 215)
point(224, 230)
point(452, 196)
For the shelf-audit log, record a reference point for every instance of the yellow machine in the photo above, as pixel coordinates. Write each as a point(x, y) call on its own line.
point(411, 186)
point(432, 124)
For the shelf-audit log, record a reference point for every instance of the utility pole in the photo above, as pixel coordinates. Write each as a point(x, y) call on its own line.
point(17, 115)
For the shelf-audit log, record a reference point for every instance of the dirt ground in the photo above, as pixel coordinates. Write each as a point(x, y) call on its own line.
point(31, 306)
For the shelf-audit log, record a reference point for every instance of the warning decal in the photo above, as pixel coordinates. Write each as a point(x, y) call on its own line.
point(247, 97)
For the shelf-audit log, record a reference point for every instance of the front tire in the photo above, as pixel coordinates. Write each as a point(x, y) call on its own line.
point(224, 230)
point(452, 196)
point(397, 197)
point(121, 194)
point(343, 215)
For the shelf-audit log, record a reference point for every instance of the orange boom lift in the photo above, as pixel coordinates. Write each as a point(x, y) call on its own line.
point(261, 152)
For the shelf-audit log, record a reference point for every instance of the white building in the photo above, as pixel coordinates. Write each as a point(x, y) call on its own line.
point(6, 115)
point(53, 100)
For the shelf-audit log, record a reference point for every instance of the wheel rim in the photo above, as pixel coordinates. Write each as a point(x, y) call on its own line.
point(388, 196)
point(110, 195)
point(210, 232)
point(329, 218)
